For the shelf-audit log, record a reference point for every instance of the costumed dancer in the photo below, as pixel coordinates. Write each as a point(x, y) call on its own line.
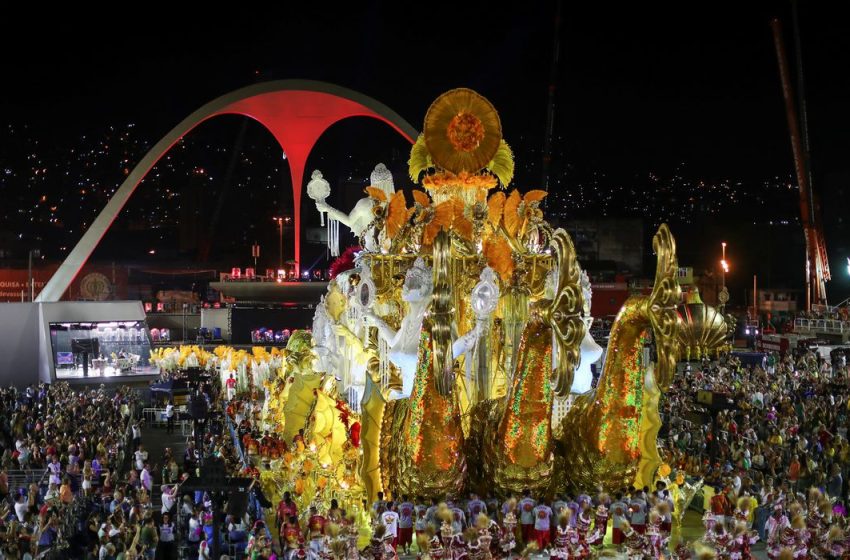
point(815, 498)
point(507, 540)
point(787, 543)
point(774, 527)
point(722, 541)
point(336, 543)
point(561, 544)
point(742, 540)
point(600, 525)
point(683, 551)
point(301, 552)
point(376, 544)
point(578, 545)
point(529, 551)
point(423, 543)
point(703, 552)
point(435, 546)
point(458, 549)
point(709, 522)
point(381, 546)
point(657, 541)
point(801, 537)
point(834, 545)
point(488, 536)
point(742, 510)
point(819, 520)
point(585, 516)
point(290, 535)
point(635, 544)
point(446, 530)
point(474, 548)
point(352, 535)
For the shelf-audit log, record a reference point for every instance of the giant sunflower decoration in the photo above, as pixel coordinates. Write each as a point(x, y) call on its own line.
point(462, 131)
point(462, 142)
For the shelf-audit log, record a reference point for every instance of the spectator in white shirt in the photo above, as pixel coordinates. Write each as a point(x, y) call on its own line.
point(147, 479)
point(141, 457)
point(169, 493)
point(137, 434)
point(21, 507)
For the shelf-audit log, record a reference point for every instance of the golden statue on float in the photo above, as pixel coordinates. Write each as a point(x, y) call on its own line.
point(465, 322)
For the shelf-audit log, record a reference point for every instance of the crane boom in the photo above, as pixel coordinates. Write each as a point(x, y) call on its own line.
point(817, 264)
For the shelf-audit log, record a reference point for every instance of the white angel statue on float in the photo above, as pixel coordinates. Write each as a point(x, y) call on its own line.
point(337, 349)
point(363, 220)
point(324, 341)
point(403, 343)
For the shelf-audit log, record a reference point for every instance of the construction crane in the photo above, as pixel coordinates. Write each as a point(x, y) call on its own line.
point(817, 264)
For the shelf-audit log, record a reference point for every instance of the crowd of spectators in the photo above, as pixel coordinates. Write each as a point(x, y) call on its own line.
point(755, 430)
point(60, 450)
point(77, 481)
point(833, 314)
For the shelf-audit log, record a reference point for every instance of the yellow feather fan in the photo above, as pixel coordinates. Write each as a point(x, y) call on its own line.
point(420, 160)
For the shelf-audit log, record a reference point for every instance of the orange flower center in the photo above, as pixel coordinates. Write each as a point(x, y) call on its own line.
point(465, 132)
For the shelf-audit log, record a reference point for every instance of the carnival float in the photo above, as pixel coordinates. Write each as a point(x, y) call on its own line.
point(453, 351)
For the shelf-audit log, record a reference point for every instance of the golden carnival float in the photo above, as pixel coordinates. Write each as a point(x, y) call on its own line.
point(454, 354)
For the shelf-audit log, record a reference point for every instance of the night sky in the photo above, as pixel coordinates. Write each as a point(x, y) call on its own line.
point(637, 90)
point(634, 86)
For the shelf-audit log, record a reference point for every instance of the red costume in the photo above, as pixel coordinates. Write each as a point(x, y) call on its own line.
point(316, 523)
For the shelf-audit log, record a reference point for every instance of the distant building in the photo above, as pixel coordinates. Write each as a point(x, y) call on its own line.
point(608, 247)
point(777, 300)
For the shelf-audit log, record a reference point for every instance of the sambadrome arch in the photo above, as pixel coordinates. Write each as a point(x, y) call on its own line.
point(296, 112)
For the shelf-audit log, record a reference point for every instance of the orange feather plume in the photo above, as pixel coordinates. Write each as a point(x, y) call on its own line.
point(499, 257)
point(376, 193)
point(442, 219)
point(495, 206)
point(534, 196)
point(460, 223)
point(511, 212)
point(396, 214)
point(421, 198)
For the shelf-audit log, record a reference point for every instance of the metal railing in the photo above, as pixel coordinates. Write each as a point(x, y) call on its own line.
point(24, 477)
point(153, 416)
point(156, 417)
point(822, 325)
